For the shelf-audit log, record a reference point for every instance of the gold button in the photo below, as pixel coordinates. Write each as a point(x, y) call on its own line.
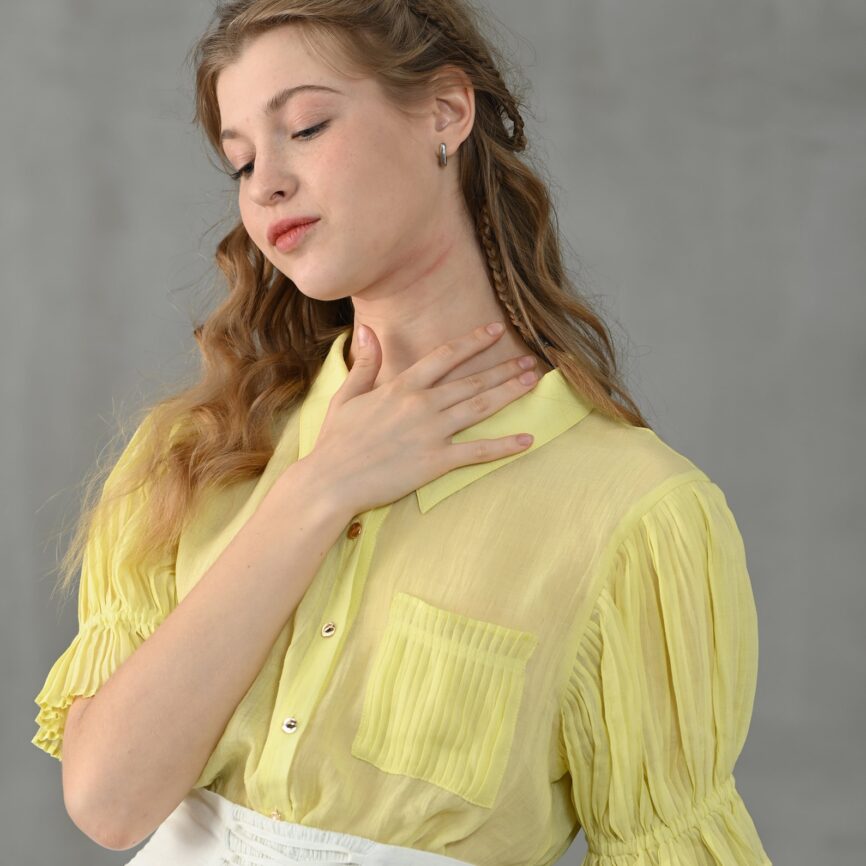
point(354, 530)
point(276, 815)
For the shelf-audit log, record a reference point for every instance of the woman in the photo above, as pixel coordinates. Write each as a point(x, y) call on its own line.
point(331, 608)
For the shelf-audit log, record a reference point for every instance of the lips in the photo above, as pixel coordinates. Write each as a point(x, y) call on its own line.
point(293, 237)
point(280, 227)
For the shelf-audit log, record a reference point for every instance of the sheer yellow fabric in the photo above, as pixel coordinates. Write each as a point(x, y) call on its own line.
point(660, 696)
point(120, 603)
point(479, 667)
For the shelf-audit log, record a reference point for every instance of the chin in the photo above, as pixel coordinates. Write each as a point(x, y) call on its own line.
point(318, 289)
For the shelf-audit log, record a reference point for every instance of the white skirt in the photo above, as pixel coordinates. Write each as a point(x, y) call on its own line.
point(206, 829)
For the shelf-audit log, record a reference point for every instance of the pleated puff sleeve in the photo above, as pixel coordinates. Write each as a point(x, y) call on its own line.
point(121, 601)
point(660, 696)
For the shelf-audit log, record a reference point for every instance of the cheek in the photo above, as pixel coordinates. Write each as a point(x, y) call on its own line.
point(385, 191)
point(254, 230)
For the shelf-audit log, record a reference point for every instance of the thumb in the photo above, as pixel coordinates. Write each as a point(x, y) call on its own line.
point(366, 365)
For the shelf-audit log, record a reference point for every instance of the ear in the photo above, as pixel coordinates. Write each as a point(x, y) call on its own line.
point(453, 108)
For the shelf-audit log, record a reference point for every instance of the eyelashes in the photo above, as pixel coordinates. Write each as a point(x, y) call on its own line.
point(304, 135)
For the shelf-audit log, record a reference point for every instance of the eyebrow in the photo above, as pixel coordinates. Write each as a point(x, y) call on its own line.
point(278, 100)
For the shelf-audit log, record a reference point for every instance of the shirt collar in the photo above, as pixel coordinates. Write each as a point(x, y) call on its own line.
point(549, 409)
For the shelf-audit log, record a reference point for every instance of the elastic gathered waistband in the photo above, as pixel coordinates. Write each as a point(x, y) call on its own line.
point(207, 829)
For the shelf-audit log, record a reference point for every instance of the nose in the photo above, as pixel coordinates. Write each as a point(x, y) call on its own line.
point(271, 180)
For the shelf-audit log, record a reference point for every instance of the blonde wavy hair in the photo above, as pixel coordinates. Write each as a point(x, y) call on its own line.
point(264, 344)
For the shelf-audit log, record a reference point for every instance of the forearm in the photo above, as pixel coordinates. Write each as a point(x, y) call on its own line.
point(149, 731)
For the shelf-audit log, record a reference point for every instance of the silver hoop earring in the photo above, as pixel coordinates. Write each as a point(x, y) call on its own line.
point(443, 155)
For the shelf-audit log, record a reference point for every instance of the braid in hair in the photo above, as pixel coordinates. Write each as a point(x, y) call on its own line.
point(507, 103)
point(487, 226)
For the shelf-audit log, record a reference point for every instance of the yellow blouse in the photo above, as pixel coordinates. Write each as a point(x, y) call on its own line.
point(562, 638)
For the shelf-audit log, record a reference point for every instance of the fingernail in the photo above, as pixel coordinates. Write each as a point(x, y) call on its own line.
point(363, 336)
point(495, 328)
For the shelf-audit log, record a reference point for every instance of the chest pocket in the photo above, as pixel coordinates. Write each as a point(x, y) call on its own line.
point(442, 698)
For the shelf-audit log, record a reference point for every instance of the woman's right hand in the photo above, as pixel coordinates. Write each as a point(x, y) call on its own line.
point(383, 443)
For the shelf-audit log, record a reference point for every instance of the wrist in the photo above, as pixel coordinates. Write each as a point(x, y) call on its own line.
point(315, 485)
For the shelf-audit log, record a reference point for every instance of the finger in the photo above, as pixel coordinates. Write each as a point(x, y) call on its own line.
point(365, 369)
point(485, 450)
point(434, 365)
point(450, 393)
point(482, 405)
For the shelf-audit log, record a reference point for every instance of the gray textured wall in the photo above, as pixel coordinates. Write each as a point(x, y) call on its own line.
point(709, 163)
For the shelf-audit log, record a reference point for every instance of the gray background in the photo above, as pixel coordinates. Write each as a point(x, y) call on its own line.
point(709, 166)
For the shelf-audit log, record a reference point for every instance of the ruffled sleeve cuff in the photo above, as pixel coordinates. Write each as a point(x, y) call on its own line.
point(102, 644)
point(717, 832)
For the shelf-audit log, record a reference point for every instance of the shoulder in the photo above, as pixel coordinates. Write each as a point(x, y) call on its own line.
point(589, 483)
point(659, 504)
point(618, 464)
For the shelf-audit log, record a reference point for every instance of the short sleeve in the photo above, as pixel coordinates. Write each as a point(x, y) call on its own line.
point(660, 695)
point(121, 601)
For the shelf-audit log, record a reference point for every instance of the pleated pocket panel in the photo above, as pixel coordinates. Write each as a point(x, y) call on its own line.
point(442, 698)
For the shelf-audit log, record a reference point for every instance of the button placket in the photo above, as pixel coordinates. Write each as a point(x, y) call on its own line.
point(329, 629)
point(280, 752)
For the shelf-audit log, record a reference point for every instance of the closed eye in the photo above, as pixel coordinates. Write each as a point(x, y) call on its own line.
point(304, 135)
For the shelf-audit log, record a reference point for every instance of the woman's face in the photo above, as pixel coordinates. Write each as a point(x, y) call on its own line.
point(367, 172)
